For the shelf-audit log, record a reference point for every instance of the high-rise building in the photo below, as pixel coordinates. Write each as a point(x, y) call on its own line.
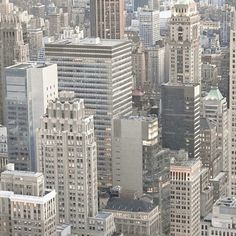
point(28, 88)
point(107, 19)
point(232, 105)
point(12, 48)
point(185, 196)
point(35, 43)
point(134, 145)
point(149, 26)
point(100, 72)
point(3, 148)
point(29, 209)
point(67, 155)
point(181, 117)
point(208, 148)
point(214, 108)
point(184, 43)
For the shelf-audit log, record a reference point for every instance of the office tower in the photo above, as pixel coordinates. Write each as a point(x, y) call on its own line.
point(139, 66)
point(12, 48)
point(29, 209)
point(102, 76)
point(208, 149)
point(221, 220)
point(214, 108)
point(180, 105)
point(107, 19)
point(156, 59)
point(184, 43)
point(127, 215)
point(6, 7)
point(28, 88)
point(67, 155)
point(134, 144)
point(149, 26)
point(232, 105)
point(3, 148)
point(35, 43)
point(185, 196)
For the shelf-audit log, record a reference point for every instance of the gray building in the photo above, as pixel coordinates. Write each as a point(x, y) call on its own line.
point(180, 106)
point(28, 88)
point(100, 72)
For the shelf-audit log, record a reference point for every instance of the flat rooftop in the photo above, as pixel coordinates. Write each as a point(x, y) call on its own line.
point(89, 41)
point(23, 66)
point(18, 173)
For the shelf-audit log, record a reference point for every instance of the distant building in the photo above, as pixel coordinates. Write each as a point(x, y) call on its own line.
point(149, 26)
point(28, 88)
point(6, 7)
point(134, 217)
point(3, 148)
point(107, 19)
point(208, 148)
point(180, 105)
point(12, 49)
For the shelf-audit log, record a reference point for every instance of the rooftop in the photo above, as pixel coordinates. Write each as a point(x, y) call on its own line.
point(90, 41)
point(24, 66)
point(214, 94)
point(126, 204)
point(227, 201)
point(18, 173)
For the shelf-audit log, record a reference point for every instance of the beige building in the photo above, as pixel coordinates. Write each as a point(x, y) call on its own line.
point(184, 43)
point(3, 148)
point(185, 196)
point(26, 207)
point(67, 155)
point(134, 141)
point(232, 106)
point(107, 19)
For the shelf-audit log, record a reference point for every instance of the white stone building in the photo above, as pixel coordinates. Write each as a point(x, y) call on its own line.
point(67, 155)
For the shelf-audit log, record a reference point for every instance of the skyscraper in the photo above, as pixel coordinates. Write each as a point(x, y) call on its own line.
point(134, 146)
point(67, 156)
point(12, 48)
point(184, 43)
point(181, 117)
point(28, 88)
point(100, 72)
point(107, 19)
point(232, 105)
point(214, 108)
point(149, 26)
point(185, 196)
